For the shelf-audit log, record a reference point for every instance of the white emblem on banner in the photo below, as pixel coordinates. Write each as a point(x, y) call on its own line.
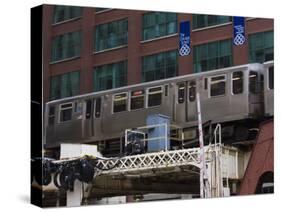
point(185, 49)
point(239, 39)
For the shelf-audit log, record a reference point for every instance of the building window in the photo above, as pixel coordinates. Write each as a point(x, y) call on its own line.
point(110, 76)
point(110, 35)
point(65, 85)
point(201, 21)
point(120, 102)
point(137, 99)
point(158, 24)
point(212, 55)
point(237, 82)
point(159, 66)
point(66, 112)
point(217, 86)
point(261, 47)
point(64, 13)
point(66, 46)
point(154, 96)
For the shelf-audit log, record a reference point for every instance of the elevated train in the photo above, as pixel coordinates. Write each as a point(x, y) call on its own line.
point(238, 97)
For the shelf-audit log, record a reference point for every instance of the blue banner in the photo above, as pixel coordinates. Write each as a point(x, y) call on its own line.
point(238, 30)
point(184, 38)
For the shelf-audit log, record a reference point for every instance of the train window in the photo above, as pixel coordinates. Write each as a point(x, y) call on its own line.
point(66, 112)
point(98, 107)
point(137, 99)
point(88, 108)
point(237, 82)
point(217, 86)
point(154, 96)
point(262, 82)
point(78, 107)
point(166, 90)
point(120, 103)
point(253, 82)
point(192, 91)
point(51, 119)
point(271, 78)
point(206, 83)
point(181, 93)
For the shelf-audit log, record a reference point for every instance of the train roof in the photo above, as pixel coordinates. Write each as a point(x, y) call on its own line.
point(254, 66)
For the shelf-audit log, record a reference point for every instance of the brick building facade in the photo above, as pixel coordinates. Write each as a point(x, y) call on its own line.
point(88, 49)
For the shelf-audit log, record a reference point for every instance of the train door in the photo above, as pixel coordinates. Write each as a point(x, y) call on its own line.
point(88, 121)
point(181, 103)
point(92, 117)
point(255, 93)
point(191, 108)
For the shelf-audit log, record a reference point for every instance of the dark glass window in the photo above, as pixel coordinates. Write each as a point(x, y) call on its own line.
point(137, 99)
point(192, 91)
point(237, 82)
point(159, 66)
point(158, 24)
point(206, 83)
point(181, 93)
point(120, 103)
point(217, 86)
point(88, 109)
point(166, 90)
point(98, 108)
point(64, 13)
point(271, 77)
point(110, 35)
point(66, 112)
point(66, 46)
point(212, 55)
point(261, 47)
point(154, 96)
point(201, 21)
point(253, 82)
point(110, 76)
point(65, 85)
point(51, 120)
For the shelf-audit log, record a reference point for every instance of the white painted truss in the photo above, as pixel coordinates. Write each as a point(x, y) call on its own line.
point(155, 160)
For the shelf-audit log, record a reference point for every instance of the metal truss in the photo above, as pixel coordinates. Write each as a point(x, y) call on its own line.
point(156, 160)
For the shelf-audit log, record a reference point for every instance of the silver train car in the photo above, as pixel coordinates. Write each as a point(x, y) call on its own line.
point(232, 96)
point(268, 89)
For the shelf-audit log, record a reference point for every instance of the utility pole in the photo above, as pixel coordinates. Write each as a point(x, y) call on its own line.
point(203, 176)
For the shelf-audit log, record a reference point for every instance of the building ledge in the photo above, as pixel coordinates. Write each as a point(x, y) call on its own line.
point(159, 38)
point(64, 60)
point(104, 11)
point(111, 49)
point(211, 27)
point(66, 21)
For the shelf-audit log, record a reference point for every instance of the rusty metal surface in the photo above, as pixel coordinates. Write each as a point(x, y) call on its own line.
point(262, 158)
